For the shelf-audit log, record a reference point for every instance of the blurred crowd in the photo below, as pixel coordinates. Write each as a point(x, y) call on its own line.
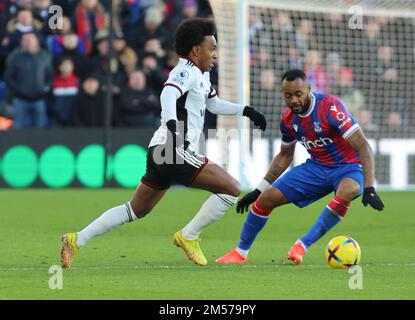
point(54, 70)
point(370, 68)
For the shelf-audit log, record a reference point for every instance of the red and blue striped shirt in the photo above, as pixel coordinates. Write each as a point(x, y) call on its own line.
point(323, 130)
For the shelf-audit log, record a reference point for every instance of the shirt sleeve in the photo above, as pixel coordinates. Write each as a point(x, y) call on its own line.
point(181, 78)
point(341, 119)
point(168, 99)
point(218, 106)
point(287, 138)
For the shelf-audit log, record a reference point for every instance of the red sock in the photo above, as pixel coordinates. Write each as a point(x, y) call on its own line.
point(339, 206)
point(260, 210)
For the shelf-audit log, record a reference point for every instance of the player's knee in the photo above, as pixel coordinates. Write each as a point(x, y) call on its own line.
point(350, 193)
point(355, 192)
point(235, 189)
point(266, 200)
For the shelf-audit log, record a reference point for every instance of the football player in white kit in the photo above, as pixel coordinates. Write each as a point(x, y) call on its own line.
point(172, 155)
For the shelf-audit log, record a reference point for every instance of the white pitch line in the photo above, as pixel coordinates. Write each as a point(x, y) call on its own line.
point(143, 267)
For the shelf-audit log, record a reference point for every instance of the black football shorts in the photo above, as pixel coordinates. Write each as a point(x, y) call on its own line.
point(160, 175)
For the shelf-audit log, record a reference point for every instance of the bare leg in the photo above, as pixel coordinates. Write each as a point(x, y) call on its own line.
point(143, 201)
point(215, 179)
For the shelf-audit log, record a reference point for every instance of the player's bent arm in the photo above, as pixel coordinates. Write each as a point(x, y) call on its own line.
point(280, 163)
point(359, 142)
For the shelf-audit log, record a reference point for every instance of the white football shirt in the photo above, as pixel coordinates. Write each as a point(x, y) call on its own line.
point(195, 89)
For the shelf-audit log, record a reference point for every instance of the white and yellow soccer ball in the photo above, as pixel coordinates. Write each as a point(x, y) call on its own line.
point(343, 252)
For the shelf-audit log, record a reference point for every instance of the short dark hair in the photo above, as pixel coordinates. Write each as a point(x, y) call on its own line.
point(294, 74)
point(191, 33)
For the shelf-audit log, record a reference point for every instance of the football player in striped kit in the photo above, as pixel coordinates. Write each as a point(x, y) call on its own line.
point(341, 161)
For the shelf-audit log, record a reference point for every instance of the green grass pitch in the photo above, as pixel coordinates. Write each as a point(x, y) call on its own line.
point(138, 261)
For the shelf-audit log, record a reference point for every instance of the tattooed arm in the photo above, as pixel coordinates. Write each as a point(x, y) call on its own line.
point(280, 163)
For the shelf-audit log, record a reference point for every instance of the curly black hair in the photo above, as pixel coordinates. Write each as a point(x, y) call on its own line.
point(191, 33)
point(294, 74)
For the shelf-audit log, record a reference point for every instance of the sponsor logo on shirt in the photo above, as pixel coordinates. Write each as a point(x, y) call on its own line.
point(319, 143)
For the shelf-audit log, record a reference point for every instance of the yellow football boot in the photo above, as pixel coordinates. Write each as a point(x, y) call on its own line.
point(69, 249)
point(191, 248)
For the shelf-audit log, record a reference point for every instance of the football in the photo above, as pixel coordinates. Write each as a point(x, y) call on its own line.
point(343, 252)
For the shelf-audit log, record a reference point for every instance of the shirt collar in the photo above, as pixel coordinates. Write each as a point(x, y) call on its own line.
point(313, 104)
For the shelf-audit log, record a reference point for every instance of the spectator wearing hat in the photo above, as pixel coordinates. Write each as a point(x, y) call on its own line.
point(152, 28)
point(127, 56)
point(101, 65)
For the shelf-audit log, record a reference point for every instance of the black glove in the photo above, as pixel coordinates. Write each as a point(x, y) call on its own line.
point(257, 117)
point(244, 203)
point(371, 197)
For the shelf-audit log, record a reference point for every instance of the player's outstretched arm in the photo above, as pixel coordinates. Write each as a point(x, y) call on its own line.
point(223, 107)
point(359, 142)
point(279, 164)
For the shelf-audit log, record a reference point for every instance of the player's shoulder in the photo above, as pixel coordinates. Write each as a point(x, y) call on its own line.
point(287, 115)
point(184, 70)
point(327, 101)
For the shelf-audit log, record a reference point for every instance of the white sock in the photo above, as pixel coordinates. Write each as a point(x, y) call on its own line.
point(108, 221)
point(242, 252)
point(212, 210)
